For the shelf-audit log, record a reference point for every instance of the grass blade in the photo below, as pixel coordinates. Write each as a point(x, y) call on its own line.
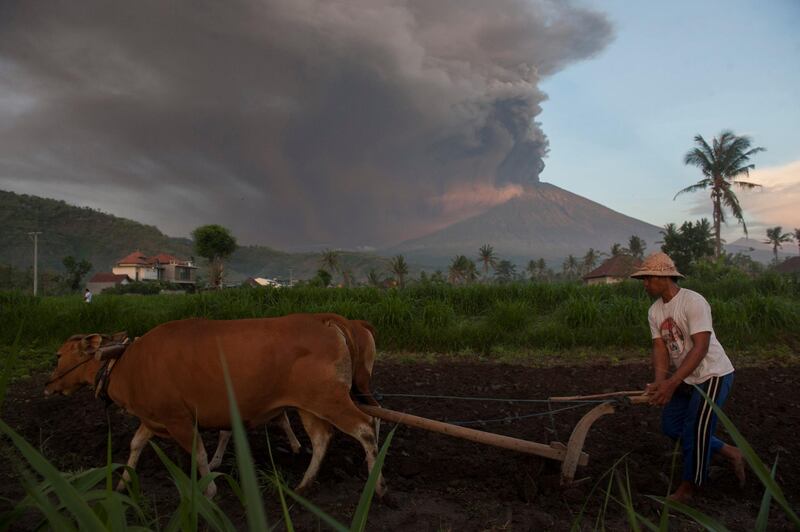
point(310, 506)
point(69, 496)
point(763, 513)
point(256, 518)
point(755, 463)
point(697, 516)
point(359, 522)
point(279, 486)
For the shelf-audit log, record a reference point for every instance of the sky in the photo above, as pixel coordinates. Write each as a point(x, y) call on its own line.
point(620, 123)
point(361, 123)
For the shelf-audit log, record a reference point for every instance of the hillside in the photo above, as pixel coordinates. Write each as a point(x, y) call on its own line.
point(104, 238)
point(544, 222)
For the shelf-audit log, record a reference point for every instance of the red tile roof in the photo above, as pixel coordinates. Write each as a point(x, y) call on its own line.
point(618, 266)
point(104, 277)
point(137, 257)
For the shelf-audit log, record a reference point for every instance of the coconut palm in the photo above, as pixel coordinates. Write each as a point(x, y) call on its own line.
point(399, 269)
point(505, 272)
point(330, 260)
point(797, 238)
point(462, 270)
point(590, 260)
point(487, 256)
point(636, 247)
point(570, 266)
point(374, 278)
point(777, 237)
point(722, 164)
point(617, 249)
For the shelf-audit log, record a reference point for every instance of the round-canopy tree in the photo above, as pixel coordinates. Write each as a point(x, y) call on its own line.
point(214, 243)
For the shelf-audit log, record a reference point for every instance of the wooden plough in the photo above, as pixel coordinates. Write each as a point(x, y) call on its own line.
point(570, 455)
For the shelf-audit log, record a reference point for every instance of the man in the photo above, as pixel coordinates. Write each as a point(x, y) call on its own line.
point(682, 332)
point(87, 296)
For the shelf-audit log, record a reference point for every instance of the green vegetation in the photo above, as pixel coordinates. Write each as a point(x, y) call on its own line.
point(722, 164)
point(214, 243)
point(433, 316)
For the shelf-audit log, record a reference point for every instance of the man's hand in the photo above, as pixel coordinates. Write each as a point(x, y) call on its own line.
point(661, 392)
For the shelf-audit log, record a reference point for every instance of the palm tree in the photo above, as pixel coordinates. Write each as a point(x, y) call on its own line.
point(487, 257)
point(462, 270)
point(636, 247)
point(617, 249)
point(590, 259)
point(400, 269)
point(776, 237)
point(797, 238)
point(374, 278)
point(721, 164)
point(505, 272)
point(570, 266)
point(330, 260)
point(533, 269)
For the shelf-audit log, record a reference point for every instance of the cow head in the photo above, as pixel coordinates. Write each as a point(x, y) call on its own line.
point(76, 364)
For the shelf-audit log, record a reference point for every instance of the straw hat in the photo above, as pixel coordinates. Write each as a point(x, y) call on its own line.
point(657, 265)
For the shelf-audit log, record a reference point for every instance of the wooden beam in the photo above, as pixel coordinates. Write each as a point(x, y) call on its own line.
point(596, 396)
point(555, 452)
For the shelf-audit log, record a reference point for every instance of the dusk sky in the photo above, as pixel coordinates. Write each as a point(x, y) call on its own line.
point(353, 123)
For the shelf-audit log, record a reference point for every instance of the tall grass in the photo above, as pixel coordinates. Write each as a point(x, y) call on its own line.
point(747, 312)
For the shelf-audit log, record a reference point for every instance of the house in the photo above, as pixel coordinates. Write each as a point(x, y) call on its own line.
point(260, 281)
point(161, 267)
point(615, 269)
point(790, 265)
point(103, 280)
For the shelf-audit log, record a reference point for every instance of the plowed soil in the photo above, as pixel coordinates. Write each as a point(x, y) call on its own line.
point(437, 482)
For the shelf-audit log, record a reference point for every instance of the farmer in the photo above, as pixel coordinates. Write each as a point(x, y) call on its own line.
point(87, 296)
point(680, 325)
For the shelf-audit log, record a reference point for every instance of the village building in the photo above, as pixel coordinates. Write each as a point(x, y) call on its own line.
point(161, 267)
point(103, 280)
point(790, 265)
point(613, 270)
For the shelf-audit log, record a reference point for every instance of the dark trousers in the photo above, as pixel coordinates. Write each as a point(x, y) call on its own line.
point(690, 419)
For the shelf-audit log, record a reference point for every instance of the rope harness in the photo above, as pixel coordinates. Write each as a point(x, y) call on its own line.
point(64, 374)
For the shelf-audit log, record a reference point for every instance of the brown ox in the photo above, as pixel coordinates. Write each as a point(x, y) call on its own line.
point(363, 334)
point(172, 378)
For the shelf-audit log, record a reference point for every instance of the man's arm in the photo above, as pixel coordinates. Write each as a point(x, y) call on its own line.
point(660, 358)
point(662, 391)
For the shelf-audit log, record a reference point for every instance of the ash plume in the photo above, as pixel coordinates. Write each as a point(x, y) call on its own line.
point(291, 122)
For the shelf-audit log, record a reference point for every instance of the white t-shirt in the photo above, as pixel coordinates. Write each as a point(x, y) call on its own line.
point(87, 296)
point(686, 314)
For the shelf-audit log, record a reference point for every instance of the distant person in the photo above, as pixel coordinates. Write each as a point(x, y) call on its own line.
point(87, 296)
point(682, 332)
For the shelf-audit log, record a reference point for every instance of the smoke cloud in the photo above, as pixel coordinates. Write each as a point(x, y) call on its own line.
point(293, 122)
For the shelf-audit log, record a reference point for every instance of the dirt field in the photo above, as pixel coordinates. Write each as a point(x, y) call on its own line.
point(440, 483)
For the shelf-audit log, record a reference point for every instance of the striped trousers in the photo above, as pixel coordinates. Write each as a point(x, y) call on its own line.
point(690, 419)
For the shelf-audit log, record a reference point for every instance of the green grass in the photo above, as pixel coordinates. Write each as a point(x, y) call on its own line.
point(749, 314)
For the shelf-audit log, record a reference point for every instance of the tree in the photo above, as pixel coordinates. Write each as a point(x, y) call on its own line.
point(214, 243)
point(374, 278)
point(75, 271)
point(777, 237)
point(721, 164)
point(487, 257)
point(462, 270)
point(637, 247)
point(323, 278)
point(330, 260)
point(688, 244)
point(400, 269)
point(797, 238)
point(617, 249)
point(590, 260)
point(570, 266)
point(505, 272)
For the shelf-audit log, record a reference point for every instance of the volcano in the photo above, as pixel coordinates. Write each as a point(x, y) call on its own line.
point(545, 221)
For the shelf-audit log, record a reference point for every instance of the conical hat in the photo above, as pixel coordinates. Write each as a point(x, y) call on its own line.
point(657, 265)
